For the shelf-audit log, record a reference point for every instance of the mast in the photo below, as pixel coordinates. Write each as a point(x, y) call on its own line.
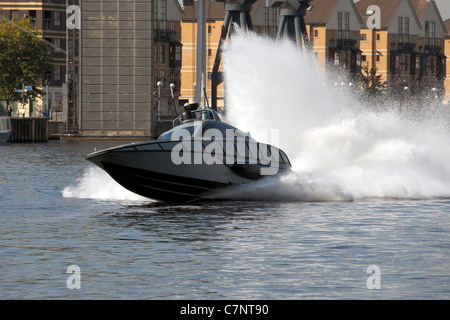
point(201, 54)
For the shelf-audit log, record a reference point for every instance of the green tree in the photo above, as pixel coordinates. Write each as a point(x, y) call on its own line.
point(23, 56)
point(371, 82)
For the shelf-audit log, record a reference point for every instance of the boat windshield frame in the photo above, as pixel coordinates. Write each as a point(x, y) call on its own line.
point(200, 114)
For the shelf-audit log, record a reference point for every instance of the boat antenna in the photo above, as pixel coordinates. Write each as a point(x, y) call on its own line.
point(206, 97)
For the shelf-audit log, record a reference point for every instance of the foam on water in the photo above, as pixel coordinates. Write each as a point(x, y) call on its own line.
point(97, 184)
point(340, 148)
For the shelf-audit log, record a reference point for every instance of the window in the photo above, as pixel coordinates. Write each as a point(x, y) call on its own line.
point(164, 14)
point(155, 14)
point(358, 59)
point(14, 15)
point(363, 58)
point(209, 53)
point(316, 33)
point(177, 53)
point(433, 33)
point(378, 37)
point(162, 54)
point(47, 19)
point(56, 18)
point(345, 60)
point(57, 43)
point(266, 20)
point(346, 25)
point(339, 33)
point(378, 58)
point(57, 73)
point(162, 76)
point(427, 32)
point(406, 29)
point(400, 29)
point(337, 58)
point(156, 75)
point(32, 14)
point(363, 37)
point(274, 21)
point(209, 29)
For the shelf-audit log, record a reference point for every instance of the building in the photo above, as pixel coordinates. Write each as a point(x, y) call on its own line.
point(130, 55)
point(333, 27)
point(115, 66)
point(167, 57)
point(215, 14)
point(50, 18)
point(406, 48)
point(431, 43)
point(447, 67)
point(334, 31)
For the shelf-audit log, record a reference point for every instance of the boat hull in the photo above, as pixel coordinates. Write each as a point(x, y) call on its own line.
point(153, 174)
point(150, 170)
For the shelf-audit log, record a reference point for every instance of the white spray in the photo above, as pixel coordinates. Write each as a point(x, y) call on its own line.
point(339, 149)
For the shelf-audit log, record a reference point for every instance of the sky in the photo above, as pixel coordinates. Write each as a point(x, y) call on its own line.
point(444, 8)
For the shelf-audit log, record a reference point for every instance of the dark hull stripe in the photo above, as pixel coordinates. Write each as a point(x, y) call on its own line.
point(160, 186)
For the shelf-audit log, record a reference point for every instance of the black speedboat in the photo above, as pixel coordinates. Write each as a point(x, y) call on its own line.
point(200, 154)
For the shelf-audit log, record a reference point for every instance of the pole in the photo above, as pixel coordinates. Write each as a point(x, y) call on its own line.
point(201, 53)
point(23, 93)
point(46, 98)
point(174, 108)
point(158, 84)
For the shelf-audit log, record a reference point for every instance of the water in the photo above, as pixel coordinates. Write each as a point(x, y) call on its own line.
point(367, 188)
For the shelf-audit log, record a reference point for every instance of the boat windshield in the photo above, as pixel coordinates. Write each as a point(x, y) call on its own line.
point(208, 128)
point(168, 134)
point(198, 115)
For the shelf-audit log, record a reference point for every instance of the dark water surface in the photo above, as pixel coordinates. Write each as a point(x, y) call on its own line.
point(130, 248)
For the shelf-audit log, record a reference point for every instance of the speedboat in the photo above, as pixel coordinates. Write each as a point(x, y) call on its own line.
point(199, 155)
point(5, 129)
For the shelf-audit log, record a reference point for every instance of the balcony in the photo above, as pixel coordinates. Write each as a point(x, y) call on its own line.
point(432, 49)
point(346, 44)
point(405, 47)
point(164, 34)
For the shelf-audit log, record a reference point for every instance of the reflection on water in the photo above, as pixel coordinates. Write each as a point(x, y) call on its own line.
point(141, 249)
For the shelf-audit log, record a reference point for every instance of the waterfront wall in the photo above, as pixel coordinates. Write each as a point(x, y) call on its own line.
point(29, 130)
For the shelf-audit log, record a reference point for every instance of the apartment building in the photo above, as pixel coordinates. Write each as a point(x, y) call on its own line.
point(167, 56)
point(50, 18)
point(334, 31)
point(406, 49)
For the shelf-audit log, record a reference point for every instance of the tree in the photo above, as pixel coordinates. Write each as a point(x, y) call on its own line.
point(23, 58)
point(371, 82)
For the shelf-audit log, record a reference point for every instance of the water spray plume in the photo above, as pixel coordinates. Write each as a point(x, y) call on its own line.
point(341, 148)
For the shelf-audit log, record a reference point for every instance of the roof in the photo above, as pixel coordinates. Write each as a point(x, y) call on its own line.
point(447, 25)
point(214, 10)
point(388, 9)
point(321, 11)
point(421, 6)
